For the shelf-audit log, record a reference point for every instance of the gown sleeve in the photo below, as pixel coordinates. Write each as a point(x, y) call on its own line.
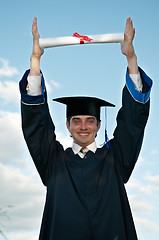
point(39, 130)
point(131, 122)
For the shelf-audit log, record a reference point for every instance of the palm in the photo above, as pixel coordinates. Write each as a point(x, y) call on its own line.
point(127, 47)
point(37, 51)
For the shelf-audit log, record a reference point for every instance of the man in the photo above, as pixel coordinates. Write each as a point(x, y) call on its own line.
point(86, 197)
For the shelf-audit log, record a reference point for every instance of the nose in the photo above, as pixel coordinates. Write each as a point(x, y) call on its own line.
point(83, 125)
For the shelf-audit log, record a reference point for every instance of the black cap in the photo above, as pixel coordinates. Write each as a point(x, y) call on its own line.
point(83, 105)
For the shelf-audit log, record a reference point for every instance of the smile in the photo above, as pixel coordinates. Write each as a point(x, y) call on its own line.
point(83, 134)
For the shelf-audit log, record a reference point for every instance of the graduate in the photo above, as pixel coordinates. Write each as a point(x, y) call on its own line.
point(86, 197)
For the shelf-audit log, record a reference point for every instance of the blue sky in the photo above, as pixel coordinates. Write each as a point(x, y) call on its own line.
point(94, 70)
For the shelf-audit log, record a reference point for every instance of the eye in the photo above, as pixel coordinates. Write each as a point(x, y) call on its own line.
point(76, 121)
point(90, 121)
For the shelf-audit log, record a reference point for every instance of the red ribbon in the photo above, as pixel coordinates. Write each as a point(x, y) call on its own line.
point(82, 38)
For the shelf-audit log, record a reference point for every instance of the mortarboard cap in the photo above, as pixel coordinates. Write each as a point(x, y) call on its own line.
point(83, 105)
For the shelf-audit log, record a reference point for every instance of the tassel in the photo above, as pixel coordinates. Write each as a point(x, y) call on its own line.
point(106, 142)
point(106, 139)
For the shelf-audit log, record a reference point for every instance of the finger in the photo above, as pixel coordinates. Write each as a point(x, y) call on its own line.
point(35, 31)
point(34, 25)
point(129, 30)
point(129, 25)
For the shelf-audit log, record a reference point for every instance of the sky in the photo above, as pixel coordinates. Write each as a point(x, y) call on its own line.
point(92, 70)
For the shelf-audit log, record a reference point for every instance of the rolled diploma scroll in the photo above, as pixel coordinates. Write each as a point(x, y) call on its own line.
point(72, 40)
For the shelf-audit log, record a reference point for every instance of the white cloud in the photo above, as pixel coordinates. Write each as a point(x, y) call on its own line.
point(143, 198)
point(139, 186)
point(64, 140)
point(11, 138)
point(26, 195)
point(9, 92)
point(153, 180)
point(20, 185)
point(23, 236)
point(51, 86)
point(148, 185)
point(55, 84)
point(154, 152)
point(146, 224)
point(6, 70)
point(140, 205)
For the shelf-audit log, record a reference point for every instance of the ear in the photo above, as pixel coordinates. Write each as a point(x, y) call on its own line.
point(98, 126)
point(68, 125)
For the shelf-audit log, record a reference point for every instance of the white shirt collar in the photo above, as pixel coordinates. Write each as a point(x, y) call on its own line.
point(76, 148)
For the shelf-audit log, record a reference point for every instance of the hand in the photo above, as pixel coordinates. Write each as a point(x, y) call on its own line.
point(127, 46)
point(37, 51)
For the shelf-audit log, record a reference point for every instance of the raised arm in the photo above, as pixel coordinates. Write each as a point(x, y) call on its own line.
point(127, 47)
point(37, 51)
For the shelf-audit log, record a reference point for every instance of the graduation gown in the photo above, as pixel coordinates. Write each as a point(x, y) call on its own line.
point(86, 198)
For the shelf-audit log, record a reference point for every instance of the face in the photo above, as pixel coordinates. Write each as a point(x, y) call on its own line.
point(83, 129)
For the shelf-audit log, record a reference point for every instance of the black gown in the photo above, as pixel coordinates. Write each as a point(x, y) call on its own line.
point(86, 198)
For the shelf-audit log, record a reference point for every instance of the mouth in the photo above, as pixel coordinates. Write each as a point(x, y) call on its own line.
point(83, 134)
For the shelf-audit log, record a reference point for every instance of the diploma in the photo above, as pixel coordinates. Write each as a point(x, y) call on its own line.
point(81, 39)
